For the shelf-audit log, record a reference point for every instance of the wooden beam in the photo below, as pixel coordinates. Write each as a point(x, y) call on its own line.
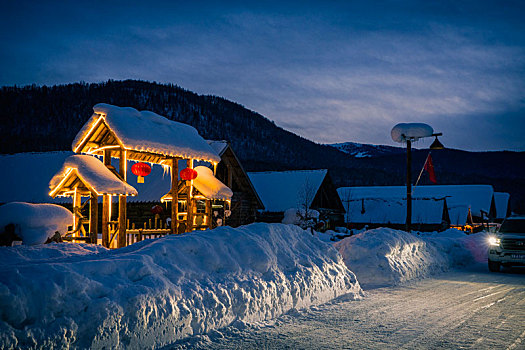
point(209, 213)
point(189, 201)
point(174, 196)
point(121, 241)
point(105, 206)
point(93, 217)
point(76, 211)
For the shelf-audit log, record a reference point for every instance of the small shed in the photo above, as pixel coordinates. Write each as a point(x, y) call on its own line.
point(245, 201)
point(311, 189)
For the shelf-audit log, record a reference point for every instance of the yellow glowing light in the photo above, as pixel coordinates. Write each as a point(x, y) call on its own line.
point(109, 199)
point(86, 134)
point(66, 174)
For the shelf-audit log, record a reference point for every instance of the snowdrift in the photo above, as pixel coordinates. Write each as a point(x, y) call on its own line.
point(156, 292)
point(384, 256)
point(35, 223)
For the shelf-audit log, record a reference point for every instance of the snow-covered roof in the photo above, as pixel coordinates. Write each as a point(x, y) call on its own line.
point(281, 190)
point(207, 184)
point(218, 146)
point(93, 173)
point(393, 211)
point(460, 198)
point(144, 131)
point(501, 200)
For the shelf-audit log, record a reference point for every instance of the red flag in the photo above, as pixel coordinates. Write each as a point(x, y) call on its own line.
point(429, 167)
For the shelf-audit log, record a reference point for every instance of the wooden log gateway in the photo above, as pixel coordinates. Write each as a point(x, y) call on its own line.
point(122, 202)
point(175, 196)
point(106, 199)
point(93, 217)
point(189, 201)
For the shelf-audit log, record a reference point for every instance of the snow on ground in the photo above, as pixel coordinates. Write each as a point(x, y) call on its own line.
point(384, 256)
point(35, 223)
point(156, 292)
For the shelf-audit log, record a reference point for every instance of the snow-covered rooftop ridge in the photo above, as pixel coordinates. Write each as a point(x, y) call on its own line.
point(281, 190)
point(219, 146)
point(149, 132)
point(411, 131)
point(476, 197)
point(393, 211)
point(207, 184)
point(95, 173)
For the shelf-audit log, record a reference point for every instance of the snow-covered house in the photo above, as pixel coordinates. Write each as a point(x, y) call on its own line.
point(130, 135)
point(466, 204)
point(501, 201)
point(245, 201)
point(301, 189)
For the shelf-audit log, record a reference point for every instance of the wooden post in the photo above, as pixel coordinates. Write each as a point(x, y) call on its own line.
point(189, 203)
point(93, 217)
point(209, 213)
point(76, 213)
point(174, 195)
point(105, 206)
point(121, 242)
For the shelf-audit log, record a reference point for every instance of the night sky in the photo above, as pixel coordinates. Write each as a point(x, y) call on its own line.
point(331, 72)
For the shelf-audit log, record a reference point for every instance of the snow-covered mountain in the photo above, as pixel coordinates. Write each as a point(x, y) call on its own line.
point(361, 150)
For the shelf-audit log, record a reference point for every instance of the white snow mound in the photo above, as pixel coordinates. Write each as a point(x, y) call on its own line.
point(413, 131)
point(384, 256)
point(155, 292)
point(35, 223)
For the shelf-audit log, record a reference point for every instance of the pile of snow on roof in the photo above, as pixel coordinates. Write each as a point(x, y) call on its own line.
point(149, 132)
point(96, 174)
point(210, 186)
point(155, 292)
point(35, 223)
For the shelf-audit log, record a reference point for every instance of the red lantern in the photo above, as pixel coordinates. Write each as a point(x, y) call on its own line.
point(141, 170)
point(188, 174)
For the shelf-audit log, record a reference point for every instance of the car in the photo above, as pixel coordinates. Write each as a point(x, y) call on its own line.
point(507, 247)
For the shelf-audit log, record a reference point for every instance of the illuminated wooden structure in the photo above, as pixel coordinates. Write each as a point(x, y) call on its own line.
point(86, 176)
point(130, 135)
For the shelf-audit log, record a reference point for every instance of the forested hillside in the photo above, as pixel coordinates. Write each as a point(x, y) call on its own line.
point(47, 118)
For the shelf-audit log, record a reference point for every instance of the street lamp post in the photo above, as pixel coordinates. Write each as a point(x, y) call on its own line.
point(408, 133)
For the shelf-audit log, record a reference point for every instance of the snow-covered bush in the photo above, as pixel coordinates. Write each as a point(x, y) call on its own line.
point(35, 223)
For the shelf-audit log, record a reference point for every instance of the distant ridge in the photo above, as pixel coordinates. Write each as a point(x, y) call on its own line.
point(47, 118)
point(361, 150)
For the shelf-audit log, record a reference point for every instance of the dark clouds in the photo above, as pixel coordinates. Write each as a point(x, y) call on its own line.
point(330, 72)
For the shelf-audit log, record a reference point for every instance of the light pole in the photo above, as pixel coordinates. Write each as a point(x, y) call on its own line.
point(408, 133)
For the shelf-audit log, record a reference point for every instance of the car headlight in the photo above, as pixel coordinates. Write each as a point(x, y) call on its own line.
point(494, 241)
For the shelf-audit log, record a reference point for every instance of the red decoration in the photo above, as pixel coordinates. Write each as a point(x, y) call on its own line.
point(429, 167)
point(188, 174)
point(157, 209)
point(141, 169)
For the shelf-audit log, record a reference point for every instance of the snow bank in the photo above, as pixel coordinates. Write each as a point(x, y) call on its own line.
point(35, 223)
point(155, 292)
point(385, 256)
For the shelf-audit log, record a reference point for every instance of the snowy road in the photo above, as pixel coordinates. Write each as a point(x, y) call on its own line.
point(474, 309)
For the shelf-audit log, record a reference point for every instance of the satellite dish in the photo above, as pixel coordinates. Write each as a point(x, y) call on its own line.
point(410, 131)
